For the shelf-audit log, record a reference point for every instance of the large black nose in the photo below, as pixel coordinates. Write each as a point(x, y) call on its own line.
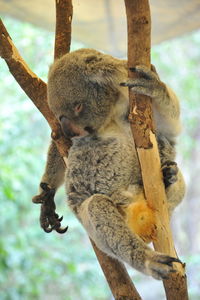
point(70, 129)
point(67, 127)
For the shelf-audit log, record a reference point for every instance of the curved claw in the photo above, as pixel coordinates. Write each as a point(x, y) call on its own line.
point(37, 199)
point(171, 260)
point(60, 219)
point(44, 186)
point(62, 230)
point(49, 219)
point(57, 217)
point(48, 230)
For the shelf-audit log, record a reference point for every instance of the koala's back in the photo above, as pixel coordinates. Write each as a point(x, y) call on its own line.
point(98, 165)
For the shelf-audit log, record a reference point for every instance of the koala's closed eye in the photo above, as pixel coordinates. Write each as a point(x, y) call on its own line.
point(78, 108)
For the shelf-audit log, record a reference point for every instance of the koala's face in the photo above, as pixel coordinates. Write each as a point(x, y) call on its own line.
point(82, 91)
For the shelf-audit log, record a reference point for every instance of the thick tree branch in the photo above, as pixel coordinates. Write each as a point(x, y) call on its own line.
point(32, 85)
point(116, 274)
point(139, 44)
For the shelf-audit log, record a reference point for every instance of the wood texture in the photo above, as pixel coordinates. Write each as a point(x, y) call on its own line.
point(139, 43)
point(117, 277)
point(64, 11)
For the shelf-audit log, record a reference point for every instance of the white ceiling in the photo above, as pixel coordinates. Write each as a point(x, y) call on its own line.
point(101, 24)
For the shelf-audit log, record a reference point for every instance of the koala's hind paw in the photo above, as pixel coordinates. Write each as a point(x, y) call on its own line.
point(160, 265)
point(170, 171)
point(49, 219)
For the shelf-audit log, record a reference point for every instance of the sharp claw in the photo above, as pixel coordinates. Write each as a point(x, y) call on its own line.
point(123, 84)
point(48, 230)
point(132, 69)
point(169, 260)
point(61, 230)
point(37, 200)
point(49, 219)
point(174, 259)
point(165, 277)
point(57, 217)
point(161, 275)
point(44, 186)
point(172, 271)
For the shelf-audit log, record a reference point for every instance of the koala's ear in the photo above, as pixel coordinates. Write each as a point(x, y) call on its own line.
point(101, 77)
point(99, 69)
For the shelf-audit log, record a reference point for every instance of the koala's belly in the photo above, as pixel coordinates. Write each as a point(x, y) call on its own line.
point(101, 166)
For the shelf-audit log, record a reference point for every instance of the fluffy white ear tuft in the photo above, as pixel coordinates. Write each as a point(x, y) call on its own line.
point(101, 78)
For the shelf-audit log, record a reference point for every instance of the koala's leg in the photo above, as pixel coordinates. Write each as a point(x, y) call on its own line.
point(175, 192)
point(106, 226)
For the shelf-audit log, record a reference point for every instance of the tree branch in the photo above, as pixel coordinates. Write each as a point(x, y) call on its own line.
point(115, 272)
point(139, 45)
point(117, 277)
point(32, 85)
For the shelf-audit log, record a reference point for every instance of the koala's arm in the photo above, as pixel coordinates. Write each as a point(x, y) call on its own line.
point(55, 168)
point(107, 228)
point(166, 107)
point(52, 178)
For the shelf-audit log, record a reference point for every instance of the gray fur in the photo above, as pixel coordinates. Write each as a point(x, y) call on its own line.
point(103, 165)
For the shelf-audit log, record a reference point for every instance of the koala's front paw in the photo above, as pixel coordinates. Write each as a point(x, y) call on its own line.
point(159, 265)
point(170, 171)
point(49, 219)
point(147, 83)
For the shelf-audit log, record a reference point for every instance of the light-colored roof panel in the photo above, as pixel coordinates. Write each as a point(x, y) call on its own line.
point(101, 24)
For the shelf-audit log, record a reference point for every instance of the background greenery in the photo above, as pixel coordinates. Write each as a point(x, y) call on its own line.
point(36, 265)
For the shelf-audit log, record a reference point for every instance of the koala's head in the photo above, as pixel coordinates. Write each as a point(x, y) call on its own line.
point(83, 87)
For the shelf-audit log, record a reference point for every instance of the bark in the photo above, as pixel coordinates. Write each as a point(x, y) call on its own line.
point(36, 89)
point(64, 12)
point(117, 277)
point(139, 45)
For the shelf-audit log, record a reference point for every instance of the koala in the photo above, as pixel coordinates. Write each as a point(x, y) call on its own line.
point(88, 95)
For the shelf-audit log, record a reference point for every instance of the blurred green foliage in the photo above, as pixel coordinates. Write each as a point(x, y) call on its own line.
point(36, 265)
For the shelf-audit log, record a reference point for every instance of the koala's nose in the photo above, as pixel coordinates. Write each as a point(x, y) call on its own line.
point(66, 127)
point(69, 129)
